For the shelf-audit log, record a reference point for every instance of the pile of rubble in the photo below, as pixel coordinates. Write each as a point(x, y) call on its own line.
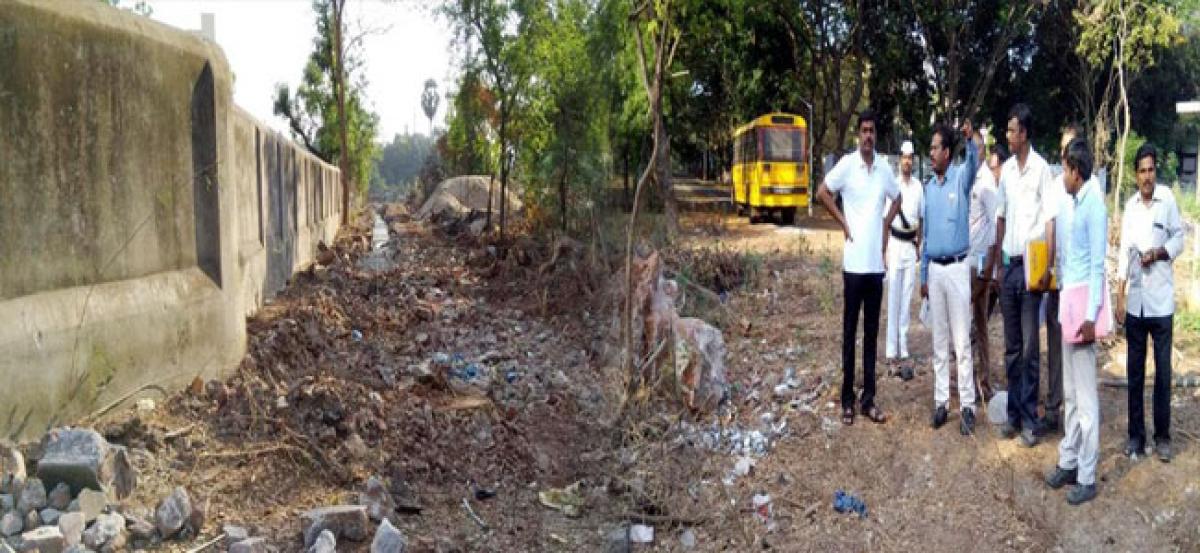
point(73, 500)
point(461, 203)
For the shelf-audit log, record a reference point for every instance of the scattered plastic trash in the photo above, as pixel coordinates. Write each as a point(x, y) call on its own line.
point(640, 533)
point(568, 499)
point(687, 539)
point(356, 335)
point(734, 440)
point(511, 376)
point(762, 507)
point(847, 503)
point(482, 493)
point(997, 408)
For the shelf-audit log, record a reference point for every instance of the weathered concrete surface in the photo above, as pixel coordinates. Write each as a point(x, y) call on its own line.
point(143, 214)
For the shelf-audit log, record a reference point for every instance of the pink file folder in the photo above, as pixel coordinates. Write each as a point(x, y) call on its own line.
point(1072, 305)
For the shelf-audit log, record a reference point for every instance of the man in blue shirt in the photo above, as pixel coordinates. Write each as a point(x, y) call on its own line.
point(1085, 220)
point(947, 283)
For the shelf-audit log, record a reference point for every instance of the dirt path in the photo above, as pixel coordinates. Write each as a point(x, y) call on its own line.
point(924, 487)
point(346, 378)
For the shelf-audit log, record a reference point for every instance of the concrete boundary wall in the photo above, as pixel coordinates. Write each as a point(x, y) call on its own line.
point(143, 215)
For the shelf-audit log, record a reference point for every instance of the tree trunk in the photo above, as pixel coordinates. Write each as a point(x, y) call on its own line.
point(662, 170)
point(339, 87)
point(562, 198)
point(625, 190)
point(503, 166)
point(1120, 58)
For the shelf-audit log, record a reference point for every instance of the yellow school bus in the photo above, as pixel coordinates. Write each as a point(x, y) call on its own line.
point(771, 167)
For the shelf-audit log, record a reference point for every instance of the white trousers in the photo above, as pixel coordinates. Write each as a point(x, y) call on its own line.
point(950, 313)
point(1080, 446)
point(901, 279)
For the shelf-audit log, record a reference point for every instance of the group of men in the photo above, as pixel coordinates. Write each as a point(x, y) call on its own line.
point(966, 234)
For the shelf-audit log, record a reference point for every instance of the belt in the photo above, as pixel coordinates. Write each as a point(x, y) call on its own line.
point(907, 236)
point(1016, 259)
point(948, 259)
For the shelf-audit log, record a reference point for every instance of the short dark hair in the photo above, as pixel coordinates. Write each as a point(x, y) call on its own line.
point(1079, 157)
point(1001, 152)
point(947, 135)
point(865, 115)
point(1145, 150)
point(1024, 117)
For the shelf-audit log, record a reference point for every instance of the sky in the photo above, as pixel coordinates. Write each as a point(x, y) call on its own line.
point(269, 41)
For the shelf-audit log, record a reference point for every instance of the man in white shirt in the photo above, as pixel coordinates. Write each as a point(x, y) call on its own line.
point(984, 200)
point(1151, 240)
point(1025, 181)
point(903, 243)
point(864, 181)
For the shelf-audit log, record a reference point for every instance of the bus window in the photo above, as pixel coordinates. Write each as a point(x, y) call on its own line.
point(782, 144)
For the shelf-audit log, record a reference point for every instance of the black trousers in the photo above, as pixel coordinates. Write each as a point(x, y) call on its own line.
point(1137, 330)
point(862, 292)
point(1054, 357)
point(1020, 308)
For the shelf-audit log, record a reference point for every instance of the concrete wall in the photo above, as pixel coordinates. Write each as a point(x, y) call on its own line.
point(142, 214)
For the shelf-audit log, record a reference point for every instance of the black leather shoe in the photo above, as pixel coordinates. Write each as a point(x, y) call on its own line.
point(1081, 494)
point(939, 416)
point(967, 424)
point(1134, 449)
point(1029, 438)
point(1061, 477)
point(1162, 448)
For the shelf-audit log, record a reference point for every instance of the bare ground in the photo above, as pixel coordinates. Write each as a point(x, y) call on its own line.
point(283, 434)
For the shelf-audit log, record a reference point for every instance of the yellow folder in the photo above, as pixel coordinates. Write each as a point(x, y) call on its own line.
point(1037, 262)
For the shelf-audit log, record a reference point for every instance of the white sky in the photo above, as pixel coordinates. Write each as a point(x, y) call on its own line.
point(269, 41)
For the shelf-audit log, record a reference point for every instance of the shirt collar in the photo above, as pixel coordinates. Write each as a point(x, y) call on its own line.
point(1087, 187)
point(862, 163)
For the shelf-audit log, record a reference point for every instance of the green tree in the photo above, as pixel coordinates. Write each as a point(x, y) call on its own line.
point(1128, 34)
point(327, 112)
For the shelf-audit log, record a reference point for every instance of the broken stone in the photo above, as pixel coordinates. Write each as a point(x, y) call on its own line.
point(33, 496)
point(7, 503)
point(388, 539)
point(195, 521)
point(77, 548)
point(74, 506)
point(123, 474)
point(11, 524)
point(46, 539)
point(50, 515)
point(4, 547)
point(173, 512)
point(344, 521)
point(12, 468)
point(32, 520)
point(139, 528)
point(356, 446)
point(325, 543)
point(91, 504)
point(378, 501)
point(71, 525)
point(234, 533)
point(60, 497)
point(105, 532)
point(687, 540)
point(249, 545)
point(75, 456)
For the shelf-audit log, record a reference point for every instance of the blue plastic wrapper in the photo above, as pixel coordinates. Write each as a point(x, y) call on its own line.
point(847, 503)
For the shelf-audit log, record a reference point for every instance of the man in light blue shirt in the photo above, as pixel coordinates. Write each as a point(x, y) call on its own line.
point(947, 283)
point(1084, 218)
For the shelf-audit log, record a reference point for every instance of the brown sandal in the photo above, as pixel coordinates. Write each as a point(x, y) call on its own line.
point(875, 414)
point(848, 416)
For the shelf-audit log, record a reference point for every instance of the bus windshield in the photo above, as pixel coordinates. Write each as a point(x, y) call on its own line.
point(783, 144)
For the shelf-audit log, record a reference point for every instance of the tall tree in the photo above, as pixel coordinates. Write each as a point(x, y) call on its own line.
point(327, 111)
point(654, 24)
point(490, 34)
point(1127, 34)
point(429, 102)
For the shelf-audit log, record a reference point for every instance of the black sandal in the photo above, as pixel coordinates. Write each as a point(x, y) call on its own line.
point(848, 416)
